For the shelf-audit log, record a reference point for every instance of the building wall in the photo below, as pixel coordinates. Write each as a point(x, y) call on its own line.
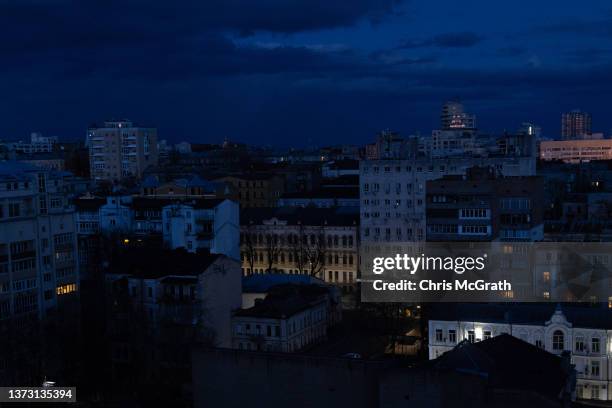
point(281, 380)
point(341, 258)
point(541, 336)
point(288, 334)
point(393, 192)
point(573, 151)
point(118, 150)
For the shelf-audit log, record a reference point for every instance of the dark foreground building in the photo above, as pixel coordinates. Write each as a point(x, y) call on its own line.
point(500, 372)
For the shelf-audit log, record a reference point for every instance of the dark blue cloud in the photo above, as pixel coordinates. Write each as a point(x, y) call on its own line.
point(447, 40)
point(279, 71)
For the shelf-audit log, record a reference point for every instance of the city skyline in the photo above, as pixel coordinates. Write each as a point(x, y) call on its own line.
point(296, 75)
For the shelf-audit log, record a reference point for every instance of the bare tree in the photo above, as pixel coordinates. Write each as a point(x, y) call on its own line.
point(272, 250)
point(309, 249)
point(248, 242)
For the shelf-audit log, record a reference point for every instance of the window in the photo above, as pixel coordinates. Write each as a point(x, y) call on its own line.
point(558, 340)
point(452, 336)
point(439, 337)
point(471, 336)
point(486, 335)
point(14, 210)
point(539, 344)
point(595, 368)
point(595, 345)
point(579, 344)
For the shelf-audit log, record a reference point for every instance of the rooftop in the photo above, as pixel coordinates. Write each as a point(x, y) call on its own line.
point(263, 283)
point(338, 216)
point(145, 263)
point(284, 301)
point(507, 363)
point(583, 316)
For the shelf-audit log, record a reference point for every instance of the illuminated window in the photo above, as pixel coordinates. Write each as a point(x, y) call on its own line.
point(65, 289)
point(546, 276)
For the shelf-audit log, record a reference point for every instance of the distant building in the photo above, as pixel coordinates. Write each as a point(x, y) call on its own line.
point(338, 168)
point(393, 192)
point(574, 151)
point(454, 117)
point(50, 161)
point(288, 319)
point(584, 332)
point(256, 190)
point(322, 198)
point(119, 150)
point(191, 186)
point(37, 144)
point(320, 242)
point(193, 224)
point(575, 125)
point(203, 224)
point(388, 145)
point(484, 206)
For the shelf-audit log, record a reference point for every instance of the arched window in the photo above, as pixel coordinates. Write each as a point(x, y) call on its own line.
point(558, 340)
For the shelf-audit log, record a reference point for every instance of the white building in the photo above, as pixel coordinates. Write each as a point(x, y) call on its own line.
point(182, 288)
point(38, 247)
point(287, 320)
point(585, 332)
point(211, 224)
point(393, 192)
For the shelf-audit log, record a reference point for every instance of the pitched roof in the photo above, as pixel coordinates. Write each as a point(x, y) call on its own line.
point(507, 363)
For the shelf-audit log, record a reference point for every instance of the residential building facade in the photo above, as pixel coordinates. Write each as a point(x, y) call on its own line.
point(586, 333)
point(119, 149)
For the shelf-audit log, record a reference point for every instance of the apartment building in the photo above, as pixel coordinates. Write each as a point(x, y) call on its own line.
point(119, 149)
point(393, 192)
point(585, 332)
point(320, 242)
point(39, 272)
point(575, 125)
point(38, 255)
point(484, 206)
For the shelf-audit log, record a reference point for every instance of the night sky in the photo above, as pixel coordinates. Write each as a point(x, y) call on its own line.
point(301, 72)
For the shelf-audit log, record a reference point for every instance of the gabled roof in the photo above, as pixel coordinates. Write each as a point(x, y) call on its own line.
point(507, 363)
